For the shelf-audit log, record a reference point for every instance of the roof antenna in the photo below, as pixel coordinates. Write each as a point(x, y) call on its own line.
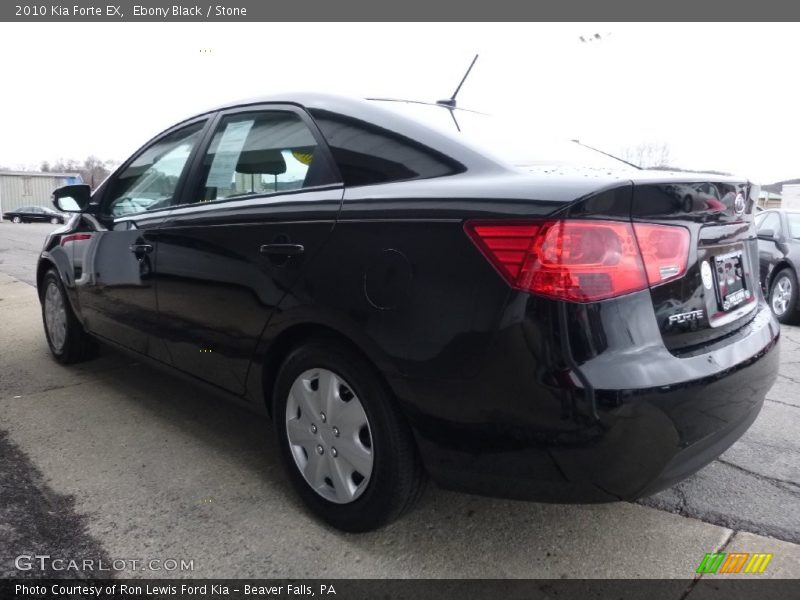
point(607, 154)
point(451, 101)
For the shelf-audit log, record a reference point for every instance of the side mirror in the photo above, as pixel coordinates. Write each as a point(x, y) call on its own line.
point(767, 234)
point(72, 198)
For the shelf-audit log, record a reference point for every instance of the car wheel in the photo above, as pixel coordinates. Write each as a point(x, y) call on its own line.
point(67, 339)
point(16, 220)
point(55, 221)
point(348, 450)
point(783, 296)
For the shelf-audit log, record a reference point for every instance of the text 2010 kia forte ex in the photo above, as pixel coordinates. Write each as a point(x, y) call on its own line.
point(411, 289)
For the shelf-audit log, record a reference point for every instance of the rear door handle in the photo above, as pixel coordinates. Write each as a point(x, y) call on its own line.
point(141, 248)
point(282, 249)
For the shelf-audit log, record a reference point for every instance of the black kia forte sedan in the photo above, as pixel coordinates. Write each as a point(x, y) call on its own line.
point(410, 290)
point(33, 214)
point(779, 256)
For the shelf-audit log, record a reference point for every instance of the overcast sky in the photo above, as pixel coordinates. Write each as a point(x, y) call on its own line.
point(722, 96)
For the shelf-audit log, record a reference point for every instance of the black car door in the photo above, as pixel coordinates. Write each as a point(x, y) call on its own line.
point(264, 198)
point(770, 233)
point(117, 259)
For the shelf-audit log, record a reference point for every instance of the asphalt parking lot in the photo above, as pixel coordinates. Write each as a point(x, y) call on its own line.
point(114, 459)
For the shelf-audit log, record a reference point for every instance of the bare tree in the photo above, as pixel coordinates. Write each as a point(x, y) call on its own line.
point(68, 165)
point(647, 154)
point(92, 170)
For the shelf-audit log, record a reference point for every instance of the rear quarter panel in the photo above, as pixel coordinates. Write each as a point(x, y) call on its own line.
point(401, 279)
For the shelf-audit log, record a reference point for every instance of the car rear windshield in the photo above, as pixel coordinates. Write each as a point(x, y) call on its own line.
point(509, 138)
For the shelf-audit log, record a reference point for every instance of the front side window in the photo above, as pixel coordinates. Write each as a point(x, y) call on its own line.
point(771, 222)
point(794, 225)
point(151, 180)
point(258, 153)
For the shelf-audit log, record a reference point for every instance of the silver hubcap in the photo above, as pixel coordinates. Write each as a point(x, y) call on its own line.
point(55, 316)
point(781, 295)
point(16, 219)
point(329, 435)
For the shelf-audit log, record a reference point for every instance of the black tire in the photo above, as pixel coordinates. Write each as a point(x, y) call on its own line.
point(78, 345)
point(790, 314)
point(397, 477)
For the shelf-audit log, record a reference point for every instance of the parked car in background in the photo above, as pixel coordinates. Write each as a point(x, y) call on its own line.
point(779, 257)
point(34, 214)
point(408, 288)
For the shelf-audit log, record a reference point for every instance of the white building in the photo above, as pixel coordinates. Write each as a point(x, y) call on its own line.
point(791, 196)
point(29, 188)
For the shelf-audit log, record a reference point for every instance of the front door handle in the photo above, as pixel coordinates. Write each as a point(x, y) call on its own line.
point(282, 249)
point(141, 248)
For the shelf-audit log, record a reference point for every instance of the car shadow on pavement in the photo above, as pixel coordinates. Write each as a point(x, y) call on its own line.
point(160, 463)
point(34, 519)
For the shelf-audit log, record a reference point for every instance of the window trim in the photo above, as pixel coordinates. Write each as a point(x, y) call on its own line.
point(193, 186)
point(100, 197)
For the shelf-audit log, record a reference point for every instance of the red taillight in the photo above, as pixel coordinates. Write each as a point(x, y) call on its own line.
point(665, 250)
point(75, 237)
point(506, 246)
point(578, 260)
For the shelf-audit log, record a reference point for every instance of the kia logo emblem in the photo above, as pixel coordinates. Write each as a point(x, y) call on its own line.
point(738, 204)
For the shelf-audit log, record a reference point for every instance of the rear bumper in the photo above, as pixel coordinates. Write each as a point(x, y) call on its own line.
point(626, 422)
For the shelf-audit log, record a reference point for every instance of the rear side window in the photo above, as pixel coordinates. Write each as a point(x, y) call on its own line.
point(258, 153)
point(366, 154)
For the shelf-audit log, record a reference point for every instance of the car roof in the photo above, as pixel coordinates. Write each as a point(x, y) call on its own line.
point(375, 112)
point(345, 105)
point(372, 112)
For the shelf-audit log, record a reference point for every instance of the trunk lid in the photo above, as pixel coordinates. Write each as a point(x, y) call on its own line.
point(720, 289)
